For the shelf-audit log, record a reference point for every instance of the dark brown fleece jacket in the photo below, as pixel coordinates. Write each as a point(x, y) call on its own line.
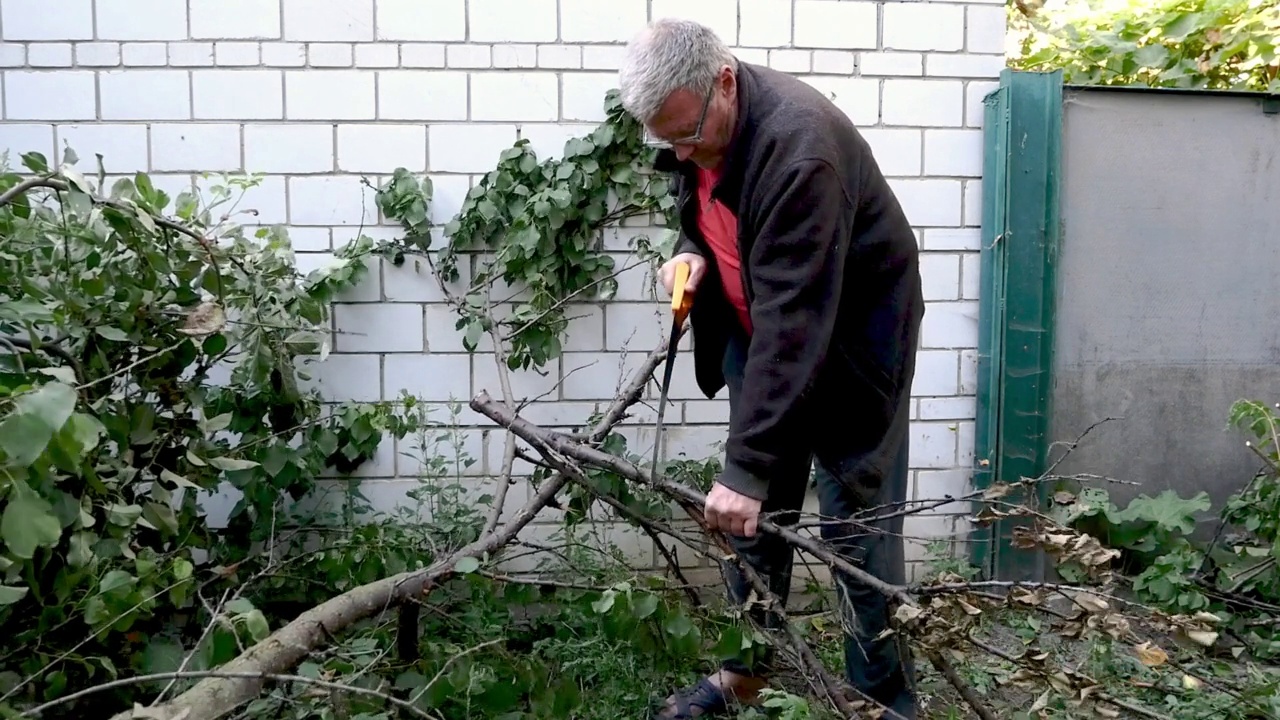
point(830, 268)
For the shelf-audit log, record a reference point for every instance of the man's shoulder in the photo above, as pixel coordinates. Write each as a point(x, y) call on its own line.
point(794, 121)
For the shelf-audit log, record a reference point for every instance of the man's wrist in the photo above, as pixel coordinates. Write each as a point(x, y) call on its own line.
point(742, 481)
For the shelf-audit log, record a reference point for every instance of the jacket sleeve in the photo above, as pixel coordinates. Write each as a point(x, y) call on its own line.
point(797, 267)
point(684, 244)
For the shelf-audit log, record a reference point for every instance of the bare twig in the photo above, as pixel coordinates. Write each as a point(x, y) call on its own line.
point(944, 666)
point(259, 677)
point(440, 673)
point(556, 443)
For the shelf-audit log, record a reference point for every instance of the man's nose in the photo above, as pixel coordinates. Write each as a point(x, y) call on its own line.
point(683, 152)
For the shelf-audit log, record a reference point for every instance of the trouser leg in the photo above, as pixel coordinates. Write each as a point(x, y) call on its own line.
point(770, 556)
point(882, 669)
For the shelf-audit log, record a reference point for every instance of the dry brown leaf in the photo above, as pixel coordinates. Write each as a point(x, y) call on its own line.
point(1027, 597)
point(1151, 655)
point(996, 491)
point(207, 319)
point(1060, 682)
point(907, 613)
point(1091, 602)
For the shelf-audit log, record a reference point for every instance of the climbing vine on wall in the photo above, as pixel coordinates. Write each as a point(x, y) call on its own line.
point(534, 226)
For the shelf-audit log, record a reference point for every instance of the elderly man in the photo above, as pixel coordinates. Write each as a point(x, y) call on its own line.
point(807, 305)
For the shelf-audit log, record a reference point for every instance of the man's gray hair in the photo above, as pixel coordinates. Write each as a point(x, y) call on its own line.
point(668, 55)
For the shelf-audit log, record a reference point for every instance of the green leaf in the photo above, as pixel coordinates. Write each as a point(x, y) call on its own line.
point(218, 423)
point(605, 603)
point(115, 580)
point(176, 479)
point(471, 339)
point(81, 548)
point(1167, 510)
point(645, 605)
point(277, 457)
point(679, 625)
point(467, 565)
point(64, 374)
point(232, 464)
point(10, 594)
point(37, 415)
point(112, 333)
point(28, 523)
point(256, 623)
point(162, 517)
point(35, 162)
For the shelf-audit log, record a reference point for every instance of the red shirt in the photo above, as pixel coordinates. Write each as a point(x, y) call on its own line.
point(720, 228)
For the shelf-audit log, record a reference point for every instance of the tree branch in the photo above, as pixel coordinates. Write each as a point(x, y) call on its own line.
point(556, 443)
point(242, 678)
point(259, 677)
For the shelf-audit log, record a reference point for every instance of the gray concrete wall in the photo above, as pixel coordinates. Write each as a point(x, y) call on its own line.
point(1168, 309)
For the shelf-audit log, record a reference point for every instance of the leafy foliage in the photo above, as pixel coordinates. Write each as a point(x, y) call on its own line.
point(1233, 574)
point(155, 355)
point(151, 361)
point(1208, 44)
point(538, 225)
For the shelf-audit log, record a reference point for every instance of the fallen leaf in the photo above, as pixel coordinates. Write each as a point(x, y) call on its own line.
point(1092, 603)
point(1041, 702)
point(907, 613)
point(1151, 655)
point(1204, 638)
point(1191, 683)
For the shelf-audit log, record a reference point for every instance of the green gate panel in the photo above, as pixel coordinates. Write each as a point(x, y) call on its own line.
point(1020, 233)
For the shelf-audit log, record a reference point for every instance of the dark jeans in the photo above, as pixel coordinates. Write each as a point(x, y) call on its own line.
point(881, 669)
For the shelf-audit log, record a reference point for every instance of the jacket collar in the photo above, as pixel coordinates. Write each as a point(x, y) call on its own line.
point(730, 185)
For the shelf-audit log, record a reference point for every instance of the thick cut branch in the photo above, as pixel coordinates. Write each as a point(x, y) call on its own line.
point(285, 648)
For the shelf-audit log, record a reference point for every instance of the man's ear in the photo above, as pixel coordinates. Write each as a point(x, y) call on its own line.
point(727, 78)
point(728, 81)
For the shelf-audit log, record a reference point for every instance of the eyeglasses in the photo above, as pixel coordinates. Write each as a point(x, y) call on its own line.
point(654, 141)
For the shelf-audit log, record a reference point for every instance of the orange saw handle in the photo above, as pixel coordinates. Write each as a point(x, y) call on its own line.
point(681, 301)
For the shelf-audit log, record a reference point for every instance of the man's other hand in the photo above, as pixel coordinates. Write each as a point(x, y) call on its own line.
point(731, 512)
point(697, 267)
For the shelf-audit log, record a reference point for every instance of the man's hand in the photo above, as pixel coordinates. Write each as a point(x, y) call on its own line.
point(697, 267)
point(731, 512)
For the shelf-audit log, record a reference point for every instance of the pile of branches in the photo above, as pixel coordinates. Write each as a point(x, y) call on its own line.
point(939, 617)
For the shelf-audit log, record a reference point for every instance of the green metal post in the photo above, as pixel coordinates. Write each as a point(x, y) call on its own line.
point(1020, 235)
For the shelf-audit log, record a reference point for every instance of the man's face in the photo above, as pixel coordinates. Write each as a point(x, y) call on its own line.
point(697, 126)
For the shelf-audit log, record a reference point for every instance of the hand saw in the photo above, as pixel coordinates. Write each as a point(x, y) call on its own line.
point(680, 304)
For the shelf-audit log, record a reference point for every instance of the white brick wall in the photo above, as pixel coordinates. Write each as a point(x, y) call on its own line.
point(317, 93)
